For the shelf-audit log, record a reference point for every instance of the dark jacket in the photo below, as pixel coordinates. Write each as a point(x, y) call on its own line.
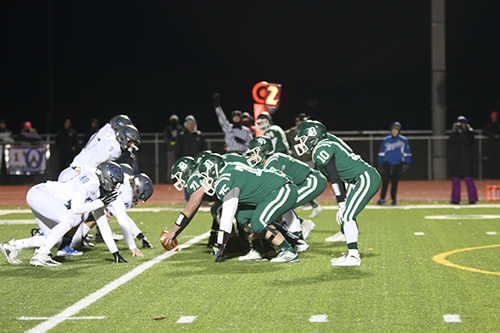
point(67, 141)
point(189, 144)
point(461, 152)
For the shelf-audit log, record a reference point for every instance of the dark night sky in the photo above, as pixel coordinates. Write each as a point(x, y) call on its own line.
point(350, 64)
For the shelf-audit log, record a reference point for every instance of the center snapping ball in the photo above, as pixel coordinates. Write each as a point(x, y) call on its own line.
point(169, 246)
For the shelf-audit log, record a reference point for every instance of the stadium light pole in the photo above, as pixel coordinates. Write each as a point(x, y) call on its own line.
point(438, 51)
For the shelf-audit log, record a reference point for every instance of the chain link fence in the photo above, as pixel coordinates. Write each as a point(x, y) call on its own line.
point(155, 159)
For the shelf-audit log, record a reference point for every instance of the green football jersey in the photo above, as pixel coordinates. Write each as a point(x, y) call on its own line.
point(232, 157)
point(349, 165)
point(278, 137)
point(254, 184)
point(193, 183)
point(293, 168)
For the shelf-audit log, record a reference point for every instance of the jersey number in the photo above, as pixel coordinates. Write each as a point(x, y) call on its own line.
point(243, 168)
point(323, 156)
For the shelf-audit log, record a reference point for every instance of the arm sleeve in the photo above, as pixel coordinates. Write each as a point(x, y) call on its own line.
point(224, 123)
point(106, 233)
point(407, 152)
point(78, 204)
point(118, 209)
point(229, 206)
point(337, 183)
point(381, 153)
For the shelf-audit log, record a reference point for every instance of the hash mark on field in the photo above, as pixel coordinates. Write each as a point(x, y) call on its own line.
point(47, 318)
point(491, 233)
point(449, 318)
point(419, 234)
point(185, 319)
point(319, 319)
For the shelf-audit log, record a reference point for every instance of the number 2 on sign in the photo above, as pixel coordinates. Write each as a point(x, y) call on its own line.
point(273, 92)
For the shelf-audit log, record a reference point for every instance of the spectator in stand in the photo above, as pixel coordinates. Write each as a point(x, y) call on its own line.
point(189, 142)
point(394, 158)
point(461, 159)
point(28, 133)
point(492, 129)
point(5, 134)
point(169, 134)
point(66, 142)
point(236, 135)
point(94, 127)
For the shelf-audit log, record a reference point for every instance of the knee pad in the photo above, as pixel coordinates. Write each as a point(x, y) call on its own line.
point(248, 228)
point(272, 231)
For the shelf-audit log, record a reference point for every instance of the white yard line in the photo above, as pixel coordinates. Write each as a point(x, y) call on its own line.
point(82, 304)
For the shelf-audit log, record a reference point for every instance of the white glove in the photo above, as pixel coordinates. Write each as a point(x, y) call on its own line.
point(340, 212)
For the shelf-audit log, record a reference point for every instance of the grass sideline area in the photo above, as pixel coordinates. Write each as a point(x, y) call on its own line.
point(398, 288)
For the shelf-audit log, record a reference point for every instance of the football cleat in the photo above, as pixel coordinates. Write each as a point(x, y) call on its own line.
point(10, 251)
point(381, 202)
point(316, 211)
point(68, 251)
point(347, 260)
point(36, 232)
point(307, 226)
point(301, 246)
point(338, 237)
point(118, 257)
point(40, 259)
point(252, 255)
point(214, 251)
point(287, 256)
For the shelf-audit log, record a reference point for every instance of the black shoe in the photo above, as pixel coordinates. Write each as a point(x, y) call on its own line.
point(393, 203)
point(146, 243)
point(455, 203)
point(36, 232)
point(381, 202)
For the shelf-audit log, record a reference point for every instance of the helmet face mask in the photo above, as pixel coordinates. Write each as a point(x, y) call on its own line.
point(263, 121)
point(258, 150)
point(182, 170)
point(126, 135)
point(110, 175)
point(143, 187)
point(309, 133)
point(210, 168)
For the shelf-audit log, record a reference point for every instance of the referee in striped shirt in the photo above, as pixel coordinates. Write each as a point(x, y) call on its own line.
point(236, 135)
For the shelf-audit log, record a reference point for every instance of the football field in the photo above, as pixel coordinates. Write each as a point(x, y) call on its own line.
point(425, 268)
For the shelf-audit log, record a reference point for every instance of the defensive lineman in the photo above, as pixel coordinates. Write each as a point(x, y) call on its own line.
point(334, 157)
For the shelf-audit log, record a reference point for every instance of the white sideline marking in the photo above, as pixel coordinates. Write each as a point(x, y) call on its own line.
point(449, 318)
point(462, 217)
point(186, 319)
point(47, 318)
point(83, 303)
point(419, 234)
point(491, 233)
point(17, 222)
point(319, 319)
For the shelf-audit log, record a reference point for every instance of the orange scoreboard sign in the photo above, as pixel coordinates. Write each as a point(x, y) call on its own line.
point(267, 98)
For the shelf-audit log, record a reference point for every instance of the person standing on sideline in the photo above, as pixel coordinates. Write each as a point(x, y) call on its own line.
point(490, 148)
point(66, 142)
point(492, 129)
point(394, 158)
point(94, 127)
point(169, 134)
point(236, 135)
point(461, 159)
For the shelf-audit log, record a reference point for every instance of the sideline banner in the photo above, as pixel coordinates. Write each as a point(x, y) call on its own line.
point(20, 160)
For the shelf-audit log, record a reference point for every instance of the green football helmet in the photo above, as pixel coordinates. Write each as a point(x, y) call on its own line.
point(182, 170)
point(308, 134)
point(200, 155)
point(264, 121)
point(210, 169)
point(259, 149)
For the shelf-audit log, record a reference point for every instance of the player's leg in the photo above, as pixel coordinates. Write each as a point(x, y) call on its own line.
point(471, 189)
point(396, 175)
point(455, 190)
point(386, 175)
point(268, 211)
point(358, 197)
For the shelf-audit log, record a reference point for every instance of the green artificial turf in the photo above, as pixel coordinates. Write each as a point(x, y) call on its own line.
point(398, 287)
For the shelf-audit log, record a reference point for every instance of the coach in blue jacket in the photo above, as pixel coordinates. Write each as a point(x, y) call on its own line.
point(394, 158)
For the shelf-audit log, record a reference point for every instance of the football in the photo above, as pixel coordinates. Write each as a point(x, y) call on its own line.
point(169, 246)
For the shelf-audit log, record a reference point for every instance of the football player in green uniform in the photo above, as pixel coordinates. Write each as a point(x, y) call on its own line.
point(272, 192)
point(274, 132)
point(334, 157)
point(310, 183)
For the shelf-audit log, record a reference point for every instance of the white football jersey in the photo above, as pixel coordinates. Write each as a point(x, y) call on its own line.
point(105, 149)
point(127, 193)
point(105, 132)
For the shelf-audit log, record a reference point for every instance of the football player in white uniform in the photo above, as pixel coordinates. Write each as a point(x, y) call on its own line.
point(55, 205)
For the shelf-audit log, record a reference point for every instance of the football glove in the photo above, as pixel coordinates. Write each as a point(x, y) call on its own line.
point(118, 257)
point(216, 98)
point(405, 167)
point(109, 197)
point(340, 212)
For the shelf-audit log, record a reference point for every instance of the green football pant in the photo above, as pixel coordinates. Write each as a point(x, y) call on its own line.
point(360, 193)
point(273, 206)
point(310, 188)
